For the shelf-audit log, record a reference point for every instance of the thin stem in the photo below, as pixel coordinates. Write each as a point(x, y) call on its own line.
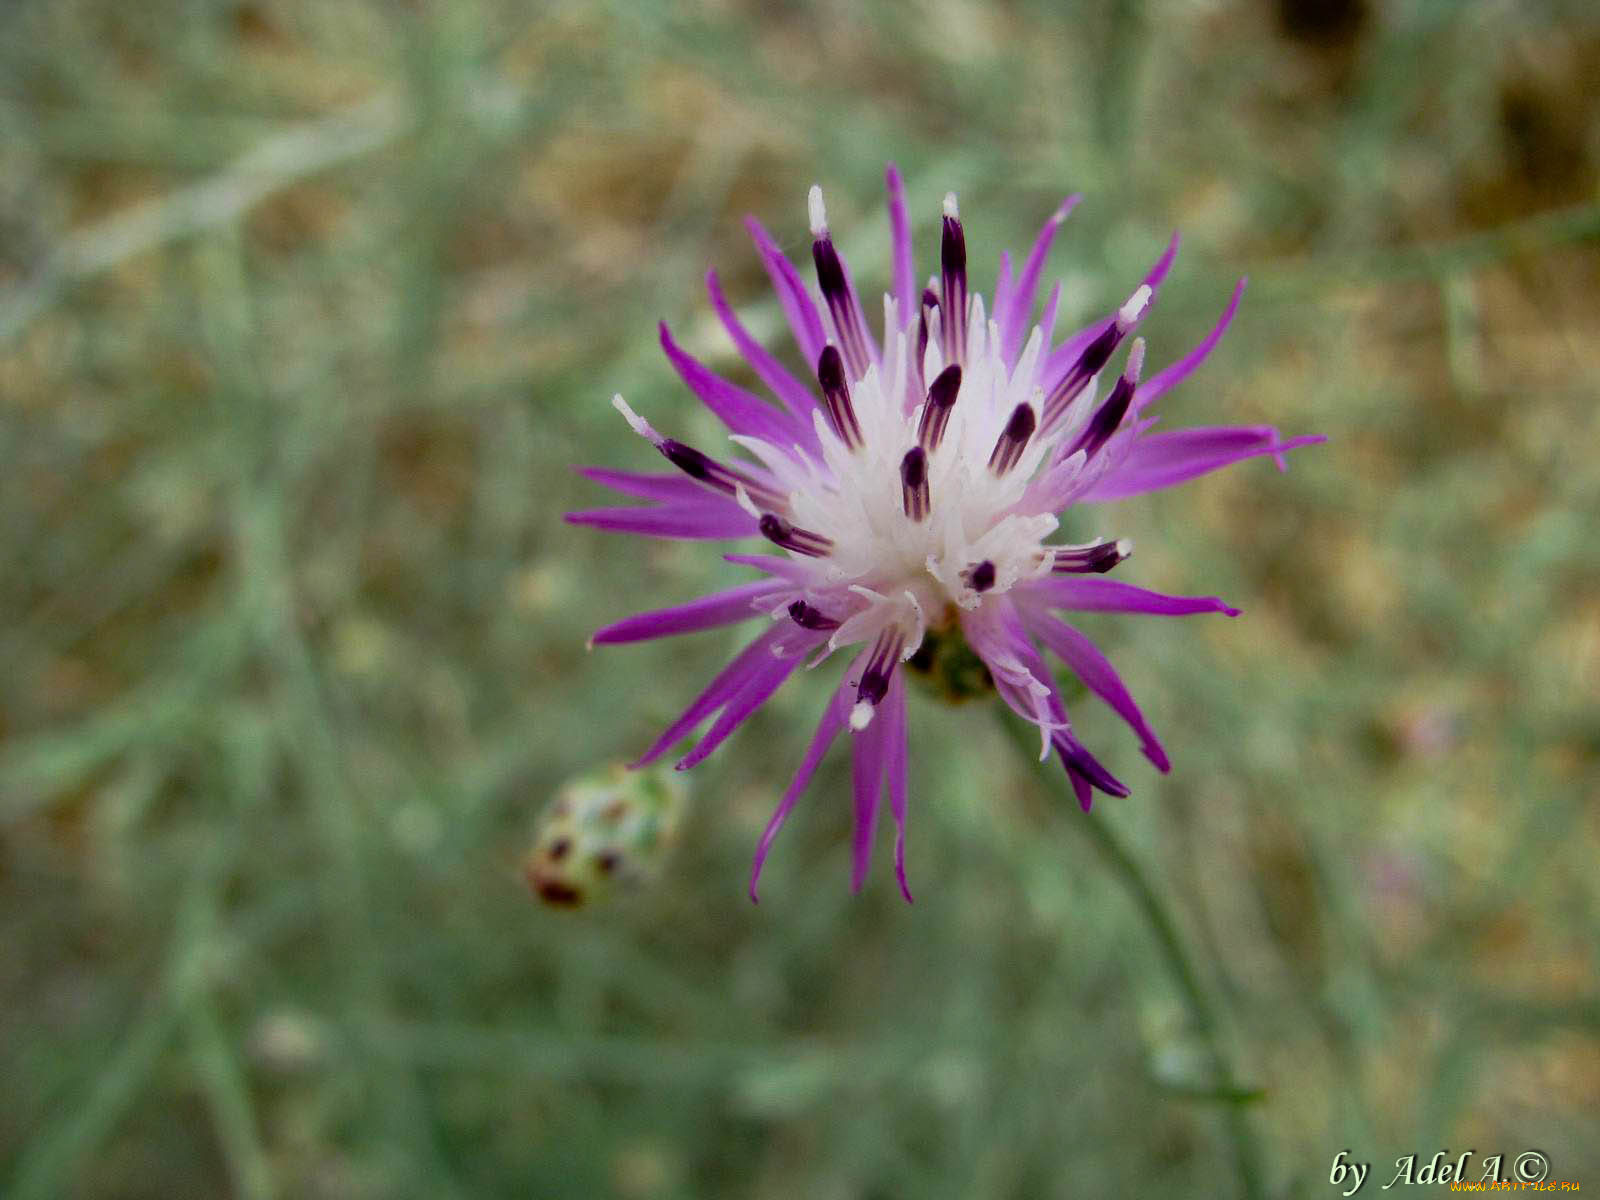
point(1180, 964)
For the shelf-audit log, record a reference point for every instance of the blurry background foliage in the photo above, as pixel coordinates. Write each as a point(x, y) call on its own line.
point(305, 310)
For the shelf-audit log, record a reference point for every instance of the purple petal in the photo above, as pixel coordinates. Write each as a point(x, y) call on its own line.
point(871, 747)
point(892, 712)
point(1162, 382)
point(1002, 632)
point(793, 394)
point(1161, 460)
point(670, 486)
point(708, 612)
point(739, 410)
point(763, 681)
point(1047, 319)
point(1081, 788)
point(1086, 661)
point(1013, 314)
point(1004, 284)
point(833, 720)
point(996, 633)
point(733, 679)
point(1112, 595)
point(702, 520)
point(775, 564)
point(797, 304)
point(1158, 273)
point(905, 284)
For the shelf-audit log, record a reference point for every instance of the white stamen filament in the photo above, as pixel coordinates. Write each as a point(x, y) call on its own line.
point(638, 423)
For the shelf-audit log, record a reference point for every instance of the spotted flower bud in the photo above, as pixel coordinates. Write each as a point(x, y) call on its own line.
point(607, 830)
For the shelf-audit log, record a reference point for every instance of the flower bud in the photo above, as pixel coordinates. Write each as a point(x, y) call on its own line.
point(606, 830)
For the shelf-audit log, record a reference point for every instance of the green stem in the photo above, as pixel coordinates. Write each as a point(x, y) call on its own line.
point(1180, 964)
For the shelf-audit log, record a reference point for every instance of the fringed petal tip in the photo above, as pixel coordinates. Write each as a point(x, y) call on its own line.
point(1081, 789)
point(706, 612)
point(900, 872)
point(711, 519)
point(1310, 439)
point(1083, 767)
point(1096, 594)
point(833, 719)
point(1158, 273)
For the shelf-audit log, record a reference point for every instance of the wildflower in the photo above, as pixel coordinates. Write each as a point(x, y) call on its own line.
point(911, 487)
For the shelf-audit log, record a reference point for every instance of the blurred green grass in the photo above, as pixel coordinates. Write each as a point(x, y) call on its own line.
point(305, 310)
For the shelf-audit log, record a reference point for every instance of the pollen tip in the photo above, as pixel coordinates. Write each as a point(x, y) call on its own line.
point(950, 209)
point(1125, 547)
point(861, 716)
point(637, 423)
point(1134, 308)
point(816, 212)
point(1135, 365)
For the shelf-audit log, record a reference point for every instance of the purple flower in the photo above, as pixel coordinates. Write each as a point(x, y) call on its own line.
point(910, 489)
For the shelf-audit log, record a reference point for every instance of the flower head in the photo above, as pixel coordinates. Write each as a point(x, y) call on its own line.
point(910, 490)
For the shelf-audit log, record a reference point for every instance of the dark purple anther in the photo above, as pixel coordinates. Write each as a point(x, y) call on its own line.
point(841, 303)
point(688, 460)
point(980, 578)
point(953, 283)
point(1089, 560)
point(791, 537)
point(1008, 449)
point(1106, 420)
point(1096, 354)
point(836, 393)
point(936, 413)
point(914, 483)
point(807, 617)
point(874, 683)
point(714, 474)
point(1092, 359)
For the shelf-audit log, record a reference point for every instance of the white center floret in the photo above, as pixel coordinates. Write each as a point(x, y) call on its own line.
point(886, 566)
